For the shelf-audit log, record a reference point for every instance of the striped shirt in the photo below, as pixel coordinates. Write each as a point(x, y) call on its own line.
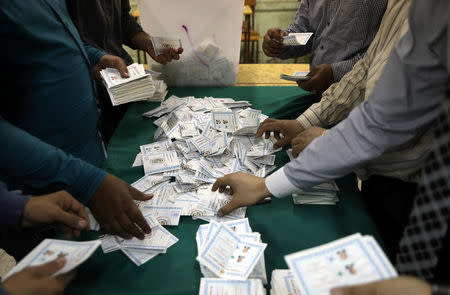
point(356, 86)
point(343, 30)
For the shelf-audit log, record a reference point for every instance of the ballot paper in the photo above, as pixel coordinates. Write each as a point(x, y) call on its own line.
point(48, 250)
point(296, 76)
point(139, 86)
point(230, 250)
point(283, 283)
point(214, 286)
point(160, 162)
point(296, 39)
point(348, 261)
point(169, 216)
point(160, 44)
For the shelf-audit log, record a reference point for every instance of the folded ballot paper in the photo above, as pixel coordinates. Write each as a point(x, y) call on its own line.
point(352, 260)
point(296, 76)
point(160, 44)
point(296, 39)
point(230, 250)
point(322, 194)
point(139, 86)
point(48, 250)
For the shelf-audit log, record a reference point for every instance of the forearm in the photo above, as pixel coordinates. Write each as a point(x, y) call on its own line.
point(343, 67)
point(142, 41)
point(130, 27)
point(34, 166)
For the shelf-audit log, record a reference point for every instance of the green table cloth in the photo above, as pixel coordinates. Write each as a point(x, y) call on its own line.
point(286, 228)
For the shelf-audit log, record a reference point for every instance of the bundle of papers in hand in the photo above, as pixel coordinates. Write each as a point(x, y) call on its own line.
point(49, 250)
point(209, 286)
point(296, 39)
point(296, 76)
point(139, 86)
point(161, 44)
point(230, 250)
point(348, 261)
point(199, 141)
point(322, 194)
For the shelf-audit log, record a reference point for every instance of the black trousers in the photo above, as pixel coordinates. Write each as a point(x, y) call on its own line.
point(389, 202)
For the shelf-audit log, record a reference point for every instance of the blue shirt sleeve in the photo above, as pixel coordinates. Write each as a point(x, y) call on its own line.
point(38, 166)
point(3, 292)
point(93, 54)
point(11, 207)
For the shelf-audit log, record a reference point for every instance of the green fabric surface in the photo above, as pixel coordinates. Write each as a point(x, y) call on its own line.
point(286, 228)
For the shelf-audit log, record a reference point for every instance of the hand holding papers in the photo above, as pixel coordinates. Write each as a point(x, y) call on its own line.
point(296, 39)
point(348, 261)
point(48, 250)
point(161, 44)
point(139, 86)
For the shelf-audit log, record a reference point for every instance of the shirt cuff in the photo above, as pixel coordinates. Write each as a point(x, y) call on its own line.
point(309, 119)
point(279, 185)
point(15, 206)
point(87, 184)
point(3, 291)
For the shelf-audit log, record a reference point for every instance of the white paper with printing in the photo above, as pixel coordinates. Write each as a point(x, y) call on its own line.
point(160, 44)
point(160, 162)
point(49, 250)
point(214, 286)
point(297, 39)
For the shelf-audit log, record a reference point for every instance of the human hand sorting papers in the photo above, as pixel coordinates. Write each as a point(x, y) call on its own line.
point(348, 261)
point(296, 76)
point(296, 39)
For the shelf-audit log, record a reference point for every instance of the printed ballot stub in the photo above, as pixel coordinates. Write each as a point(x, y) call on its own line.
point(348, 261)
point(297, 39)
point(296, 76)
point(214, 286)
point(160, 162)
point(48, 250)
point(160, 44)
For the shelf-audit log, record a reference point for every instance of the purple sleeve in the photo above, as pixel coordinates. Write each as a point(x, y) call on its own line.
point(3, 292)
point(11, 207)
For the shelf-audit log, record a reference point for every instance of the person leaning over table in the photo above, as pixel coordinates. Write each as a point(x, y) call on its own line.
point(343, 30)
point(389, 181)
point(23, 212)
point(412, 92)
point(107, 25)
point(49, 116)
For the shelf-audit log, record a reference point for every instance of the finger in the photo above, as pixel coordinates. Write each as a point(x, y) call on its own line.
point(64, 279)
point(139, 196)
point(230, 207)
point(48, 268)
point(220, 183)
point(121, 66)
point(136, 217)
point(180, 50)
point(174, 54)
point(161, 59)
point(295, 151)
point(117, 229)
point(280, 143)
point(69, 219)
point(129, 226)
point(276, 134)
point(366, 289)
point(306, 85)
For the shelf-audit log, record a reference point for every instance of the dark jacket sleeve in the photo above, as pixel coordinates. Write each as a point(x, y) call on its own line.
point(130, 26)
point(11, 208)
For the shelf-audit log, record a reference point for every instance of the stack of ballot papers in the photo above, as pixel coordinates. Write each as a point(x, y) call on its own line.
point(322, 194)
point(230, 250)
point(296, 76)
point(49, 250)
point(154, 243)
point(199, 140)
point(352, 260)
point(160, 91)
point(139, 86)
point(210, 286)
point(296, 39)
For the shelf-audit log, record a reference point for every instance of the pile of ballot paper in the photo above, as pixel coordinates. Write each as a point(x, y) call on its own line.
point(49, 250)
point(154, 243)
point(139, 86)
point(322, 194)
point(214, 286)
point(231, 250)
point(199, 140)
point(348, 261)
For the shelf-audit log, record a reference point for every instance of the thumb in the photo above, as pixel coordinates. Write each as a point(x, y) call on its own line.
point(280, 143)
point(231, 206)
point(69, 219)
point(122, 67)
point(49, 268)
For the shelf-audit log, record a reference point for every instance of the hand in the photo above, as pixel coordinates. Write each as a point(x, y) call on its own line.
point(301, 141)
point(273, 42)
point(110, 61)
point(397, 286)
point(289, 129)
point(37, 280)
point(245, 188)
point(113, 207)
point(321, 78)
point(143, 41)
point(59, 207)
